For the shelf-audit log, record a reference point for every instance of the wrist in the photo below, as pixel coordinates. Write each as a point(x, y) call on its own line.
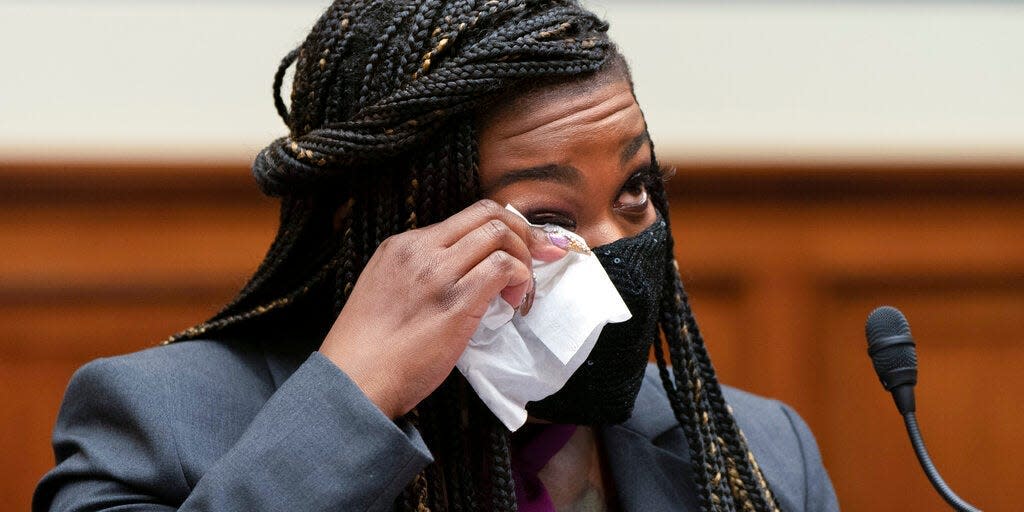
point(369, 382)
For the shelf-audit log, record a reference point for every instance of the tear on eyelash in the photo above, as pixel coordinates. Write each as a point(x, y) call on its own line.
point(664, 172)
point(657, 174)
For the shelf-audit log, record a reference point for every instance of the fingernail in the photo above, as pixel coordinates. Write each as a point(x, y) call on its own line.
point(559, 240)
point(527, 304)
point(524, 308)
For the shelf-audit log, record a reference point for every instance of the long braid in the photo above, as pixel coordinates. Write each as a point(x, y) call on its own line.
point(723, 464)
point(381, 140)
point(502, 491)
point(435, 498)
point(452, 444)
point(685, 408)
point(282, 109)
point(733, 440)
point(415, 496)
point(745, 483)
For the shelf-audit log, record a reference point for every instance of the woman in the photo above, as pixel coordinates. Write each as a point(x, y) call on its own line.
point(328, 382)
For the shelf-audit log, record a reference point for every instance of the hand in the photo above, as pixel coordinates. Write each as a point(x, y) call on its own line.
point(422, 294)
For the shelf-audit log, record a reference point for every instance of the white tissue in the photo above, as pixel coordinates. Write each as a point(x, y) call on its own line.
point(512, 360)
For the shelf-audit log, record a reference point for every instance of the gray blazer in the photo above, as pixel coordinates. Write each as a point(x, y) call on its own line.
point(205, 425)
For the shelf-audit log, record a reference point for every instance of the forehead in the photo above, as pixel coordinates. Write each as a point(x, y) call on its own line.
point(537, 106)
point(559, 124)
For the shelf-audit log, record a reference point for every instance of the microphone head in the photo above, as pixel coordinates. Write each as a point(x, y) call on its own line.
point(891, 347)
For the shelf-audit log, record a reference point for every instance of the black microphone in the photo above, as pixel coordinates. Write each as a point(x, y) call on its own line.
point(892, 352)
point(894, 357)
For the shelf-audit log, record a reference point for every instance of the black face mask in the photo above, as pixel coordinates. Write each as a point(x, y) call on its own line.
point(604, 389)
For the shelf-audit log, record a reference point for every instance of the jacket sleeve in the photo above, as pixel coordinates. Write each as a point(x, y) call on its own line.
point(819, 494)
point(317, 444)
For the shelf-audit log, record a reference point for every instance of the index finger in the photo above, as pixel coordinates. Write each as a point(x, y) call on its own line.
point(459, 225)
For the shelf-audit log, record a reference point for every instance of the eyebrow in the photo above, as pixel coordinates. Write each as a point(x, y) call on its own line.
point(633, 146)
point(564, 174)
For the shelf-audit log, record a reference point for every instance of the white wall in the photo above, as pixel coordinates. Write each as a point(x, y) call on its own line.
point(718, 80)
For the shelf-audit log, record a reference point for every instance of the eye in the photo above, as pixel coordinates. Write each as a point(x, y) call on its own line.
point(633, 197)
point(556, 218)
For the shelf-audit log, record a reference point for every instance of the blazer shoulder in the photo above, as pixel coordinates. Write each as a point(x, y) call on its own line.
point(205, 363)
point(142, 403)
point(187, 379)
point(785, 449)
point(174, 356)
point(779, 438)
point(758, 416)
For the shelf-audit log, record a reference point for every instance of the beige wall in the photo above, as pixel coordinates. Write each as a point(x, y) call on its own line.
point(719, 80)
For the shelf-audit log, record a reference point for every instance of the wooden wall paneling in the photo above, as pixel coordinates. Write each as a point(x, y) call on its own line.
point(968, 387)
point(761, 247)
point(717, 303)
point(782, 262)
point(817, 257)
point(29, 394)
point(956, 267)
point(100, 260)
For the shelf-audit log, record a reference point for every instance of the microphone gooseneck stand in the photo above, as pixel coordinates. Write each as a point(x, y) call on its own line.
point(910, 419)
point(891, 347)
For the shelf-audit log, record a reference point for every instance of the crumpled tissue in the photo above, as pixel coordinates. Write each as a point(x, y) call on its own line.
point(512, 359)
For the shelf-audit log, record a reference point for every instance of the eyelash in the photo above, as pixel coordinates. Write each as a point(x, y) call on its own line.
point(636, 184)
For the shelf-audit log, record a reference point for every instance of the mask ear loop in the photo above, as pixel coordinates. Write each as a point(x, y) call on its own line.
point(282, 109)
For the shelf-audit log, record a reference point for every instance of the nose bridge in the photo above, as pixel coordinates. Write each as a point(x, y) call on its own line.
point(606, 230)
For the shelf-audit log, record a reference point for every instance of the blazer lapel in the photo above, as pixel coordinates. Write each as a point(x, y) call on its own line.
point(649, 458)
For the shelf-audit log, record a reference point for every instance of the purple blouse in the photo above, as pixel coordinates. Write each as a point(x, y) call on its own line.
point(532, 448)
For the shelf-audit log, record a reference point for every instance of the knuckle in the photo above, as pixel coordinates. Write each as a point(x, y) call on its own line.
point(449, 297)
point(501, 261)
point(400, 248)
point(386, 244)
point(497, 229)
point(429, 270)
point(489, 208)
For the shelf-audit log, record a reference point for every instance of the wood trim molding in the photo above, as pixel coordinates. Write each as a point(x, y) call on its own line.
point(20, 180)
point(30, 181)
point(829, 180)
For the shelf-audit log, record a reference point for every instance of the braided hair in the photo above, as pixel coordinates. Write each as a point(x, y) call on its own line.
point(382, 140)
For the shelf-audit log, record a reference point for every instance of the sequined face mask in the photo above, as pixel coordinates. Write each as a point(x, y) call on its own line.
point(604, 389)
